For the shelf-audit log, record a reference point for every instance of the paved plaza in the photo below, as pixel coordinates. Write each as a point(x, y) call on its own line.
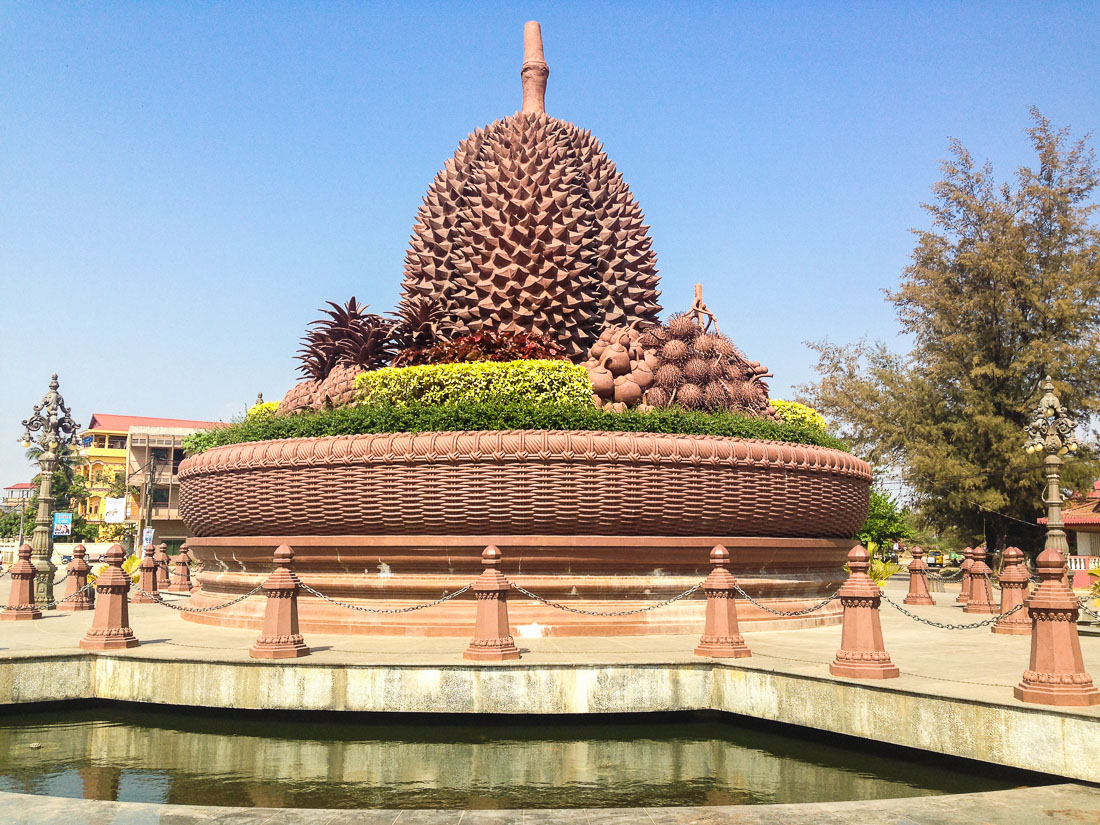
point(974, 665)
point(954, 696)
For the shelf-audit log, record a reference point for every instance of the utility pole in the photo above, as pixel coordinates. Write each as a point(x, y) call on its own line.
point(148, 495)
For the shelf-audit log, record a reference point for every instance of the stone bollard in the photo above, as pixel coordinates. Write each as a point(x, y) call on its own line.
point(492, 640)
point(862, 654)
point(110, 628)
point(147, 579)
point(1014, 583)
point(1056, 674)
point(21, 605)
point(918, 580)
point(280, 638)
point(78, 570)
point(980, 599)
point(161, 558)
point(721, 637)
point(968, 562)
point(181, 573)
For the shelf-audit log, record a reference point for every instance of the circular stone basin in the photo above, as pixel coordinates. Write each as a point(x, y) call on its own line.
point(264, 760)
point(605, 521)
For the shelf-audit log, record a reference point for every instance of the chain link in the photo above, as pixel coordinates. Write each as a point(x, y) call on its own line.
point(362, 609)
point(569, 609)
point(62, 579)
point(767, 609)
point(157, 597)
point(946, 625)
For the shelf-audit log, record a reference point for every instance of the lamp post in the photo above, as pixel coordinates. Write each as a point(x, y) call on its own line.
point(1051, 431)
point(58, 428)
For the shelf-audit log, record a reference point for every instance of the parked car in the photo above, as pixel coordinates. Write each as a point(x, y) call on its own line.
point(933, 558)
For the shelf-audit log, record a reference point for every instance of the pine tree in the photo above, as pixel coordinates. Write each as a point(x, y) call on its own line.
point(1003, 289)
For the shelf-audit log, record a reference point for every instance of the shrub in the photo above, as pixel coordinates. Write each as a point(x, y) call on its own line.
point(794, 413)
point(499, 415)
point(550, 382)
point(484, 346)
point(262, 409)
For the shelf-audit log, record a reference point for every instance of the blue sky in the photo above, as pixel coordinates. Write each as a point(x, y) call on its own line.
point(183, 184)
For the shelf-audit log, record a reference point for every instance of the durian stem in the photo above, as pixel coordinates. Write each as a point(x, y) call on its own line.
point(534, 72)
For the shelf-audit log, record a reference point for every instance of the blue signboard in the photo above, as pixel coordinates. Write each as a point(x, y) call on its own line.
point(62, 524)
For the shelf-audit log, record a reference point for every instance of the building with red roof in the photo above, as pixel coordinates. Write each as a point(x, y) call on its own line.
point(135, 458)
point(17, 495)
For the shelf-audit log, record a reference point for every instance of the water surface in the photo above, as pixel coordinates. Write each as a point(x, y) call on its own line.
point(360, 761)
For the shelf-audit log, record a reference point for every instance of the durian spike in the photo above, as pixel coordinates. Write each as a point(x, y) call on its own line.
point(701, 312)
point(534, 72)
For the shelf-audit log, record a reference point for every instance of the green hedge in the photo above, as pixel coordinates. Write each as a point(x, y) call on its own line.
point(534, 381)
point(500, 415)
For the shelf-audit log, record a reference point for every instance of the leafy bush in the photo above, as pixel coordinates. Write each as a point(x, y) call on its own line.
point(880, 571)
point(794, 413)
point(499, 415)
point(484, 346)
point(887, 521)
point(548, 382)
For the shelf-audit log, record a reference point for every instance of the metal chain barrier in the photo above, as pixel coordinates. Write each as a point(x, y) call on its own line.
point(767, 609)
point(362, 609)
point(159, 600)
point(938, 578)
point(946, 625)
point(569, 609)
point(62, 579)
point(88, 586)
point(52, 603)
point(1083, 601)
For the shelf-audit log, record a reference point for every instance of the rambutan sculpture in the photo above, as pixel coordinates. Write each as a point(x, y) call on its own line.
point(686, 362)
point(530, 227)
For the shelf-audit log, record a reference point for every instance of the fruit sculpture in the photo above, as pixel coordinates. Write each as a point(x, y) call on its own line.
point(336, 349)
point(531, 227)
point(687, 362)
point(531, 231)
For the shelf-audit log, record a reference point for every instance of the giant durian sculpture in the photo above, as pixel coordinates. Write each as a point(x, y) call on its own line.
point(531, 227)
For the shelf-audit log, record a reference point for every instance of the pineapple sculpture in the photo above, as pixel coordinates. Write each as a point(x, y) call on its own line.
point(334, 351)
point(687, 362)
point(530, 227)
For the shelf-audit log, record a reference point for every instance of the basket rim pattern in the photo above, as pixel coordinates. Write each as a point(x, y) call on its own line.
point(499, 446)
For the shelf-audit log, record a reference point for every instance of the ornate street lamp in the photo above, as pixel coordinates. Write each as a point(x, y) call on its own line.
point(58, 428)
point(1051, 431)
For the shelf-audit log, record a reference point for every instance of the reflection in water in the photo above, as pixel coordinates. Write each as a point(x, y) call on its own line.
point(195, 758)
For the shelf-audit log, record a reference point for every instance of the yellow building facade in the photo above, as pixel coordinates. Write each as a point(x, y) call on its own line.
point(141, 456)
point(104, 446)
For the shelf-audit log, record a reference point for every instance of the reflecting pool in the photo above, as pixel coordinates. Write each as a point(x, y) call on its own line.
point(196, 757)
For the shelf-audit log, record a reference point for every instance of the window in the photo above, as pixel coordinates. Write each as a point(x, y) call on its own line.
point(116, 442)
point(160, 496)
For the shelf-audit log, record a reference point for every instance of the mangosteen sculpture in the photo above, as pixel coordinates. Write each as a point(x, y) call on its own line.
point(531, 227)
